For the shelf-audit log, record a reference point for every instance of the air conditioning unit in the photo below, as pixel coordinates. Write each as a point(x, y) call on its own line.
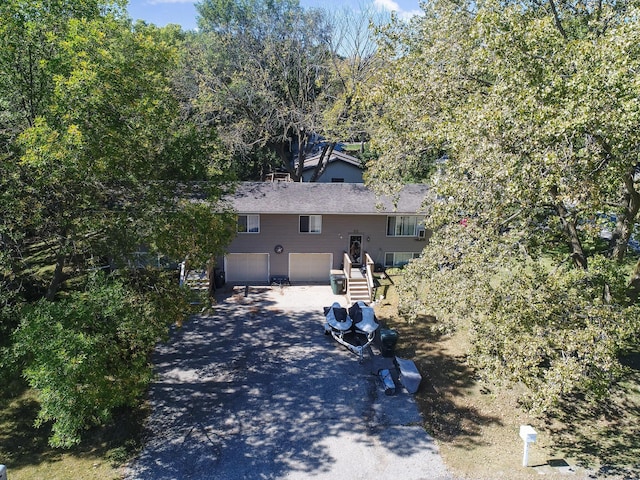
point(422, 234)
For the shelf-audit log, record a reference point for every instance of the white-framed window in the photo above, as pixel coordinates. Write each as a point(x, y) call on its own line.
point(403, 225)
point(310, 224)
point(399, 259)
point(248, 223)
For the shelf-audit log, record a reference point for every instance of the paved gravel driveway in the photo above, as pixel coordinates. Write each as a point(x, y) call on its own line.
point(255, 390)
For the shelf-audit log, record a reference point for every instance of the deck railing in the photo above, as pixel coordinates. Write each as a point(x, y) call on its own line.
point(346, 264)
point(183, 272)
point(369, 263)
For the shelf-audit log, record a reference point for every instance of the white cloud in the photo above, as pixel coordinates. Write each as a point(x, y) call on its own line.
point(392, 6)
point(387, 5)
point(411, 13)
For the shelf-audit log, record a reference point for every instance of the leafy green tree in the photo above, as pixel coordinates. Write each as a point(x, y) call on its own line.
point(99, 163)
point(262, 68)
point(89, 352)
point(193, 223)
point(534, 108)
point(551, 330)
point(30, 33)
point(30, 59)
point(98, 155)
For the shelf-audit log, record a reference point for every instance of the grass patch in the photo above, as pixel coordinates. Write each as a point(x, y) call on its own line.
point(476, 424)
point(25, 451)
point(606, 435)
point(352, 147)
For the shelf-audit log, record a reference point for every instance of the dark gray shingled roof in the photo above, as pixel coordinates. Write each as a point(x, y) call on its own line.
point(324, 198)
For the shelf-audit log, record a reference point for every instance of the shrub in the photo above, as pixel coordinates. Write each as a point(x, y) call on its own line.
point(89, 353)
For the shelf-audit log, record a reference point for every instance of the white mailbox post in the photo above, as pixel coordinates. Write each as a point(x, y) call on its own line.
point(528, 435)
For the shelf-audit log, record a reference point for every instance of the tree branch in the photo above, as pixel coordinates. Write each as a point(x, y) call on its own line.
point(556, 18)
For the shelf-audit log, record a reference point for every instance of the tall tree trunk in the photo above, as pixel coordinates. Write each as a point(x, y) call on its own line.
point(280, 149)
point(633, 292)
point(303, 144)
point(56, 280)
point(570, 231)
point(327, 150)
point(625, 219)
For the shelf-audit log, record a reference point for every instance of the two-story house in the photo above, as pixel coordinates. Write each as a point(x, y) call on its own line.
point(303, 231)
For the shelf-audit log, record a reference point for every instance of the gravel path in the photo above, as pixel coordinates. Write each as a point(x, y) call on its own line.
point(255, 390)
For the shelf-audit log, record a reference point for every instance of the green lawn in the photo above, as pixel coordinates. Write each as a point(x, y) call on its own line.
point(476, 424)
point(27, 456)
point(24, 449)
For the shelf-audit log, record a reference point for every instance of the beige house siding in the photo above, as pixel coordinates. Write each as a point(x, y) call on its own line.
point(282, 229)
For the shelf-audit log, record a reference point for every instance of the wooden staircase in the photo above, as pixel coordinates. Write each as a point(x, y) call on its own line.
point(197, 281)
point(357, 290)
point(357, 283)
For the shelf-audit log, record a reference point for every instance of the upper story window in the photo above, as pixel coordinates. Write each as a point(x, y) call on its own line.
point(248, 223)
point(310, 223)
point(403, 225)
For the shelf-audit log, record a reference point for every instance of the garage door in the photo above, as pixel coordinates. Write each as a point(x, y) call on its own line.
point(310, 267)
point(247, 267)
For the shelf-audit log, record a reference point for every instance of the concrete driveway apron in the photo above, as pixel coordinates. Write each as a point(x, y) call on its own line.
point(255, 390)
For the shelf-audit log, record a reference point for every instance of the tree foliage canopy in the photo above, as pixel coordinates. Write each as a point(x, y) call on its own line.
point(525, 117)
point(97, 156)
point(262, 68)
point(281, 82)
point(93, 163)
point(88, 353)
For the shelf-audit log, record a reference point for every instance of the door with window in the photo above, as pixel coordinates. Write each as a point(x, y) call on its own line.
point(355, 249)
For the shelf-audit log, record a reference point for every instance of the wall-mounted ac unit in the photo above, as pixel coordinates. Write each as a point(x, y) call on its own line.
point(422, 234)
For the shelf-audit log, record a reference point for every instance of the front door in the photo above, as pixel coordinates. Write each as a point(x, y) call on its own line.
point(355, 249)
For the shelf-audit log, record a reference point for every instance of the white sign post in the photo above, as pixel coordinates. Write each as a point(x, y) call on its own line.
point(528, 435)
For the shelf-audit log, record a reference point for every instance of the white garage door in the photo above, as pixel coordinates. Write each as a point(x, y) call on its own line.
point(247, 267)
point(310, 267)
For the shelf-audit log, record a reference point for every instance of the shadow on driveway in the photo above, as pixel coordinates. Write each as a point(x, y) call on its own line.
point(255, 391)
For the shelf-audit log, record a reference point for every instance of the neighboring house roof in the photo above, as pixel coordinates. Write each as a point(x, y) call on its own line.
point(336, 156)
point(324, 198)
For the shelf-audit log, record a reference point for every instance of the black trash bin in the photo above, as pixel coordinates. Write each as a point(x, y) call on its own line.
point(388, 340)
point(219, 278)
point(338, 283)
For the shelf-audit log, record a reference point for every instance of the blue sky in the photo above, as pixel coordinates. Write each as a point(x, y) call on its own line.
point(183, 12)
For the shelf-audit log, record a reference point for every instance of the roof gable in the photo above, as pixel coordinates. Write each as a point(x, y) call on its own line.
point(336, 156)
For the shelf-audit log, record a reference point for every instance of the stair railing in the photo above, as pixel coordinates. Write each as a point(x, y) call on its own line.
point(346, 265)
point(183, 272)
point(369, 274)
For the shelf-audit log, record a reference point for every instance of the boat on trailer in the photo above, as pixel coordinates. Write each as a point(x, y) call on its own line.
point(355, 327)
